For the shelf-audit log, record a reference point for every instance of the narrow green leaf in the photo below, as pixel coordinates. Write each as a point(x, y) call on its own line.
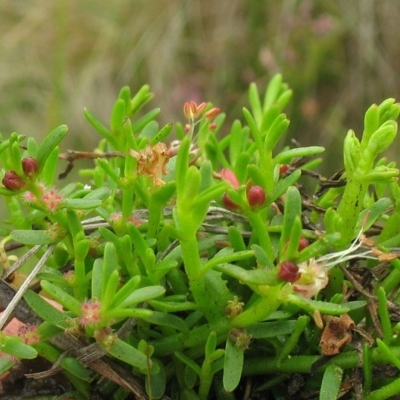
point(273, 91)
point(126, 290)
point(236, 145)
point(141, 98)
point(49, 143)
point(211, 344)
point(188, 361)
point(32, 237)
point(282, 186)
point(312, 305)
point(181, 166)
point(141, 245)
point(252, 277)
point(45, 310)
point(149, 131)
point(253, 127)
point(287, 155)
point(49, 169)
point(255, 103)
point(275, 132)
point(32, 146)
point(371, 124)
point(367, 367)
point(66, 300)
point(6, 363)
point(97, 278)
point(264, 330)
point(384, 316)
point(262, 257)
point(156, 382)
point(99, 127)
point(161, 134)
point(117, 117)
point(331, 382)
point(233, 365)
point(16, 157)
point(142, 294)
point(110, 264)
point(164, 319)
point(385, 392)
point(110, 289)
point(15, 347)
point(291, 220)
point(101, 193)
point(127, 353)
point(81, 204)
point(74, 367)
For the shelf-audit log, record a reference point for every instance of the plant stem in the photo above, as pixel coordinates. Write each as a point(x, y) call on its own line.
point(393, 279)
point(303, 364)
point(350, 207)
point(261, 232)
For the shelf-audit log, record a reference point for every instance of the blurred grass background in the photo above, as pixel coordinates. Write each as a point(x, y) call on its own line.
point(58, 57)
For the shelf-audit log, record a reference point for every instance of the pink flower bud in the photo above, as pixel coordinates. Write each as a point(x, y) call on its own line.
point(303, 243)
point(13, 181)
point(212, 113)
point(288, 271)
point(188, 109)
point(30, 167)
point(256, 196)
point(191, 110)
point(229, 204)
point(90, 312)
point(228, 175)
point(29, 334)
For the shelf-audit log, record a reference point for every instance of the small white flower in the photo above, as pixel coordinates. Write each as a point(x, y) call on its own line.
point(313, 278)
point(314, 272)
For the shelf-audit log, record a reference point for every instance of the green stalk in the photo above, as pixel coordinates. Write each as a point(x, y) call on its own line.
point(260, 309)
point(191, 260)
point(260, 231)
point(206, 378)
point(385, 392)
point(303, 364)
point(393, 279)
point(350, 207)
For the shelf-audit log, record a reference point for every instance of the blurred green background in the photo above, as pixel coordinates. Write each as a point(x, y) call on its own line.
point(58, 57)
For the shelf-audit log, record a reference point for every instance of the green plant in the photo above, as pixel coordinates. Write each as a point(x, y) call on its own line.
point(201, 263)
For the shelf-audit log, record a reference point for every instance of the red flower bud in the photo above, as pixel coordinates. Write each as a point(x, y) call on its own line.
point(289, 271)
point(256, 196)
point(13, 181)
point(30, 167)
point(303, 243)
point(283, 168)
point(228, 203)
